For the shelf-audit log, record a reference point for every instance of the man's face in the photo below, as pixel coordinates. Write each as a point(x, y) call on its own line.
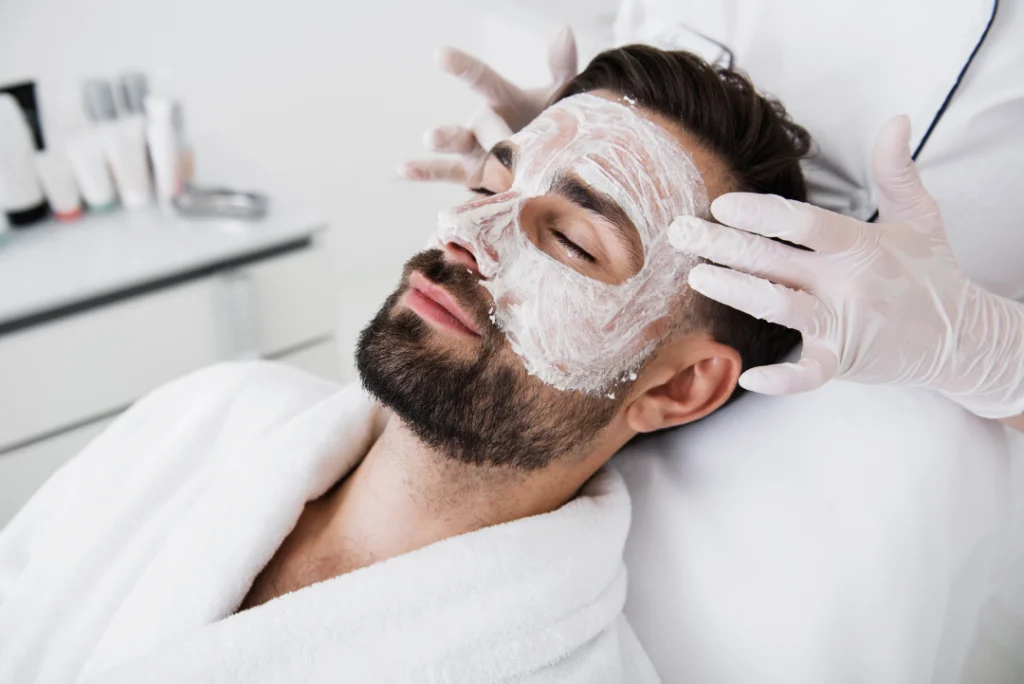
point(517, 338)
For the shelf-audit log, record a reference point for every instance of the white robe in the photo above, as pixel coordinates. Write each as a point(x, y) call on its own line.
point(127, 566)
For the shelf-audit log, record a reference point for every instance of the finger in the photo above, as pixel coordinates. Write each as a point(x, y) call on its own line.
point(452, 170)
point(901, 194)
point(489, 128)
point(740, 250)
point(562, 57)
point(477, 75)
point(760, 298)
point(776, 217)
point(451, 140)
point(815, 367)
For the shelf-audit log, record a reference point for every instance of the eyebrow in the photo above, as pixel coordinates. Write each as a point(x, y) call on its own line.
point(574, 190)
point(505, 153)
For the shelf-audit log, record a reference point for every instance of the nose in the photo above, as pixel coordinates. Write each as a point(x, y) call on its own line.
point(459, 254)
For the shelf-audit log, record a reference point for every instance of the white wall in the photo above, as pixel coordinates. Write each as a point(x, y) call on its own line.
point(314, 101)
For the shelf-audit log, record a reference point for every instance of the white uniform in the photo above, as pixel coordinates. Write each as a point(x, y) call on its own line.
point(843, 69)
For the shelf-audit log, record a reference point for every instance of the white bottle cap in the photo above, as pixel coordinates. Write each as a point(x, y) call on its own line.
point(99, 100)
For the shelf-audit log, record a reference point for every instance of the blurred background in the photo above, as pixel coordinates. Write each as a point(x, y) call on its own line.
point(312, 103)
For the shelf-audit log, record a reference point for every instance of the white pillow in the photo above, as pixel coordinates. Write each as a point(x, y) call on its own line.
point(844, 535)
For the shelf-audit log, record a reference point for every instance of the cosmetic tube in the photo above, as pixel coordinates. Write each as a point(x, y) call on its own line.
point(164, 147)
point(21, 196)
point(59, 185)
point(89, 166)
point(124, 142)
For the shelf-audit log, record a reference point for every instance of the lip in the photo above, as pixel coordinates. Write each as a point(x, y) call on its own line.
point(432, 302)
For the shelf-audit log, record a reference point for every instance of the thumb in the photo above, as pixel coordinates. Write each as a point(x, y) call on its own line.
point(816, 366)
point(901, 195)
point(562, 57)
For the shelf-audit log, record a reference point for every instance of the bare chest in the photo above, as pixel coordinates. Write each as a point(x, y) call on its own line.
point(290, 571)
point(306, 556)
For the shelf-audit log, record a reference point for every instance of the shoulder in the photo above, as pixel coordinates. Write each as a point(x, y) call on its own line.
point(209, 408)
point(263, 387)
point(226, 379)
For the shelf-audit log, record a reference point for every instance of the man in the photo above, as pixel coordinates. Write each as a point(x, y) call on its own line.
point(249, 523)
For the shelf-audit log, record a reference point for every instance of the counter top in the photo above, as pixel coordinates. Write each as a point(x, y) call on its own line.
point(57, 267)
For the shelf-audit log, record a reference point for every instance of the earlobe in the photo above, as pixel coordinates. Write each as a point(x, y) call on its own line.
point(703, 379)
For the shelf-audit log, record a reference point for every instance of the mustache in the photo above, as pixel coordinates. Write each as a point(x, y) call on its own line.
point(461, 283)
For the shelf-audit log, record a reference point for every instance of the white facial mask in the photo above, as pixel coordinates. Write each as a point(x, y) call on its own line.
point(571, 331)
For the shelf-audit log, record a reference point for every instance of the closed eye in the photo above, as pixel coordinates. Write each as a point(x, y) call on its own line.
point(574, 249)
point(483, 191)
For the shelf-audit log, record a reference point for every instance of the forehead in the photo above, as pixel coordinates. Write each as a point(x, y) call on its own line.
point(587, 118)
point(614, 149)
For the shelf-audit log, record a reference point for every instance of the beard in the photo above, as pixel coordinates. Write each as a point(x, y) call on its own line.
point(478, 405)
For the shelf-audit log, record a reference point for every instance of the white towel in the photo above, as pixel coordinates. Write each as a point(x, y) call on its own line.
point(128, 564)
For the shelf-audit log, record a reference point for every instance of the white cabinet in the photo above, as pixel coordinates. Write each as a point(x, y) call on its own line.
point(64, 379)
point(100, 360)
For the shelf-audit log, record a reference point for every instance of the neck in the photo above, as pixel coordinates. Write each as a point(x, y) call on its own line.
point(404, 495)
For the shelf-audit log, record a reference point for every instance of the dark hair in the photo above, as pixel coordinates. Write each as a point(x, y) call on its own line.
point(751, 133)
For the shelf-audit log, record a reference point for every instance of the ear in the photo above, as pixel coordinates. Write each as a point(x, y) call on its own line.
point(685, 383)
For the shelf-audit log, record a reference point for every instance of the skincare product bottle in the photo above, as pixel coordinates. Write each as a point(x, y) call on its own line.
point(59, 185)
point(124, 142)
point(21, 196)
point(25, 94)
point(164, 147)
point(167, 104)
point(89, 166)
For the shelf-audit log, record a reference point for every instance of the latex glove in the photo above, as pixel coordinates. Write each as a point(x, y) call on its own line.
point(509, 108)
point(881, 303)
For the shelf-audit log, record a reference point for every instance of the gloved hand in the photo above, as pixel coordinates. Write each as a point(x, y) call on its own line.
point(881, 303)
point(509, 108)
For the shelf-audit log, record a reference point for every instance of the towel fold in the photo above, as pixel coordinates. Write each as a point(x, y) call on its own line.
point(129, 563)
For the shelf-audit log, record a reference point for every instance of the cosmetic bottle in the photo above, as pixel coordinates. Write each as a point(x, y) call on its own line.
point(59, 185)
point(124, 142)
point(21, 196)
point(167, 147)
point(92, 174)
point(25, 94)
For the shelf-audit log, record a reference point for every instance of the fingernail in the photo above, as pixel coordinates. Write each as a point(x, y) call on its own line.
point(699, 276)
point(755, 381)
point(686, 231)
point(407, 171)
point(728, 207)
point(907, 129)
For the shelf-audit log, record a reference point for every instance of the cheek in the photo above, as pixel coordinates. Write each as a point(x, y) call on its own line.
point(572, 332)
point(575, 333)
